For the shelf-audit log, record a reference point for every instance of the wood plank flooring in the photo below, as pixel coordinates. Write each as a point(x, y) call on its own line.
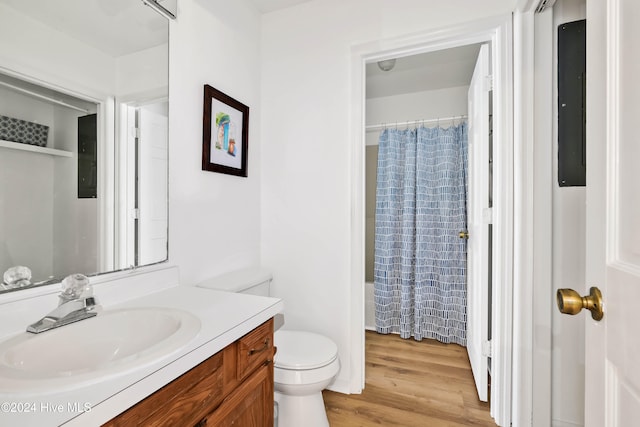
point(411, 384)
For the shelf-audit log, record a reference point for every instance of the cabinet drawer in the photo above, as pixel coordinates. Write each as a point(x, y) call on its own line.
point(181, 402)
point(254, 349)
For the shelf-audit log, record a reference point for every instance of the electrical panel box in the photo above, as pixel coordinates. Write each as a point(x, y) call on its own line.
point(572, 54)
point(88, 157)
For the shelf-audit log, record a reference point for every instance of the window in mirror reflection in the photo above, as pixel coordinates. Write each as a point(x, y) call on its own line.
point(83, 137)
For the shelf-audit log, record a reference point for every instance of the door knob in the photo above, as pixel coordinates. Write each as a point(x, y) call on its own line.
point(463, 234)
point(570, 302)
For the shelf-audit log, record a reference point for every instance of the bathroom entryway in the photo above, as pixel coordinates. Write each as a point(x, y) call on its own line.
point(424, 199)
point(441, 105)
point(408, 384)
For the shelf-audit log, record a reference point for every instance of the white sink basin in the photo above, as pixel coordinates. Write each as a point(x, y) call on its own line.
point(111, 344)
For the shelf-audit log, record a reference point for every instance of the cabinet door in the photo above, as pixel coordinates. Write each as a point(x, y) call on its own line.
point(250, 405)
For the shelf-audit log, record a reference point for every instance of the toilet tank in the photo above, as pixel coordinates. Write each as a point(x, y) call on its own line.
point(253, 281)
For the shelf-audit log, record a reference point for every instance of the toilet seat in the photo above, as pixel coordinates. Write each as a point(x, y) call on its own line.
point(302, 350)
point(304, 358)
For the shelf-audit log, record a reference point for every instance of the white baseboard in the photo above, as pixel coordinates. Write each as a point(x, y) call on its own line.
point(340, 386)
point(560, 423)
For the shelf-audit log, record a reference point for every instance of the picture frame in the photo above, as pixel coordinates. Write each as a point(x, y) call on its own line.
point(225, 134)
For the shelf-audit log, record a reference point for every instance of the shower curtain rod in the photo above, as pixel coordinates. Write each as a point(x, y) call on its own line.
point(381, 126)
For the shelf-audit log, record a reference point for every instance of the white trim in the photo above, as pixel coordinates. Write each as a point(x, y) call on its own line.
point(523, 219)
point(497, 31)
point(596, 214)
point(612, 127)
point(357, 135)
point(502, 395)
point(543, 184)
point(560, 423)
point(106, 185)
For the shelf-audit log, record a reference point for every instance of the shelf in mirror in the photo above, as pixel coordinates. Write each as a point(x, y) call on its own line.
point(35, 148)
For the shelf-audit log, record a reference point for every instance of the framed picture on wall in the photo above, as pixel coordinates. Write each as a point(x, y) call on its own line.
point(225, 134)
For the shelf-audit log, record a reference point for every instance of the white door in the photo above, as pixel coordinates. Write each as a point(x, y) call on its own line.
point(612, 350)
point(152, 185)
point(477, 224)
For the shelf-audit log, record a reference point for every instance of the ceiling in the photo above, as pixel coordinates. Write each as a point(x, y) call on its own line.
point(428, 71)
point(137, 27)
point(266, 6)
point(116, 27)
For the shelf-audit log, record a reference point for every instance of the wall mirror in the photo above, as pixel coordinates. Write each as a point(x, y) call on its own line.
point(83, 137)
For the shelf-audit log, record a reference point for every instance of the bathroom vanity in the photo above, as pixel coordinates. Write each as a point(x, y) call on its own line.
point(232, 387)
point(221, 376)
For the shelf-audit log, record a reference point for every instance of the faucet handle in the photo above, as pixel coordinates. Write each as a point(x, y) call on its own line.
point(74, 287)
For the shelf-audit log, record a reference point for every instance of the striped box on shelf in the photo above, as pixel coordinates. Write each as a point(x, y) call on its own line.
point(16, 130)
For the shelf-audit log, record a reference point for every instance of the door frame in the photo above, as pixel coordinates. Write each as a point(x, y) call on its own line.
point(498, 32)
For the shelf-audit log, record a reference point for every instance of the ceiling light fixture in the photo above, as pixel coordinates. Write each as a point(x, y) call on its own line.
point(387, 64)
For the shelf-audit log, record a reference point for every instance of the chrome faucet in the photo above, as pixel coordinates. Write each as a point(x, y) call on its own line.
point(76, 303)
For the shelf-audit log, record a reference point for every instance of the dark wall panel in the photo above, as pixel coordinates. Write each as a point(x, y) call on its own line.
point(572, 164)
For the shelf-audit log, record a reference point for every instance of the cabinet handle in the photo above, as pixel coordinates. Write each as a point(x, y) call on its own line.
point(261, 349)
point(201, 423)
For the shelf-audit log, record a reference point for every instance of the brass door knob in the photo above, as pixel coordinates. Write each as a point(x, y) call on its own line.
point(570, 302)
point(463, 234)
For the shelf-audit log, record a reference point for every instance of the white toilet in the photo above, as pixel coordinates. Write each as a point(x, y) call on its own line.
point(305, 363)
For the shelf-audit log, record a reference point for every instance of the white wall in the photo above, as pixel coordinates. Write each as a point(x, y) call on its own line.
point(27, 207)
point(77, 65)
point(569, 225)
point(431, 104)
point(214, 219)
point(143, 73)
point(306, 228)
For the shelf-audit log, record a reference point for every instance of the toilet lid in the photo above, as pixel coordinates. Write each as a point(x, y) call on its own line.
point(303, 350)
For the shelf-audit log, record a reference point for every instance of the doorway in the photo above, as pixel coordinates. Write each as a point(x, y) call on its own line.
point(497, 35)
point(446, 91)
point(142, 183)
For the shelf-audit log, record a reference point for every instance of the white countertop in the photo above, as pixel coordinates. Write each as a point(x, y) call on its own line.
point(225, 317)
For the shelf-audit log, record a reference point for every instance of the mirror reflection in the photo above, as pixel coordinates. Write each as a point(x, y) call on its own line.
point(83, 138)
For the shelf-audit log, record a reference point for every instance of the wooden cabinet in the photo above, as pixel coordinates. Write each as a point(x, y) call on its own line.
point(246, 405)
point(232, 387)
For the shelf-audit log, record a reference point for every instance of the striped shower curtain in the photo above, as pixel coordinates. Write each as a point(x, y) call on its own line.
point(420, 261)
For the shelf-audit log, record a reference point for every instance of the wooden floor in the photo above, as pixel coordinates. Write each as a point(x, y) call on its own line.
point(411, 384)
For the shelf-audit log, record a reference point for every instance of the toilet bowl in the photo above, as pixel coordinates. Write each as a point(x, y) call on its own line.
point(305, 362)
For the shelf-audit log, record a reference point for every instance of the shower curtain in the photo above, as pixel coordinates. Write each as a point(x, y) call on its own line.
point(420, 261)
